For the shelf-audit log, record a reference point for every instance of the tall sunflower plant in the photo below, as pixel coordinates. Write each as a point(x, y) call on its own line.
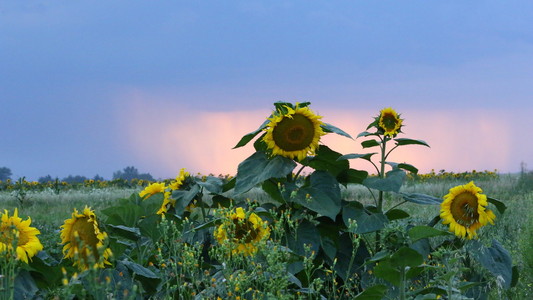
point(289, 141)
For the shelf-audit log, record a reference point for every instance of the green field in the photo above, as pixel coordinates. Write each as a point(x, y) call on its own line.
point(514, 230)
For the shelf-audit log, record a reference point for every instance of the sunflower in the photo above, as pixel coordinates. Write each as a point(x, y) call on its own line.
point(18, 235)
point(389, 122)
point(242, 232)
point(294, 133)
point(83, 240)
point(152, 189)
point(180, 179)
point(464, 209)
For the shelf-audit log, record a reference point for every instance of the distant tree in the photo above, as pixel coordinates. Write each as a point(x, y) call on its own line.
point(45, 179)
point(98, 178)
point(129, 173)
point(74, 179)
point(5, 173)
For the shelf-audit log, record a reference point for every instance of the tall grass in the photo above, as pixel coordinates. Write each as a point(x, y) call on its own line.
point(514, 229)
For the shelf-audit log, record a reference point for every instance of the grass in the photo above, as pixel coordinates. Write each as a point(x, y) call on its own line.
point(514, 229)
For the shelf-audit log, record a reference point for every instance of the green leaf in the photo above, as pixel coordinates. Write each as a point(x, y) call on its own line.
point(391, 183)
point(406, 257)
point(271, 188)
point(221, 201)
point(184, 197)
point(421, 232)
point(376, 292)
point(384, 270)
point(329, 239)
point(366, 156)
point(25, 287)
point(496, 259)
point(404, 141)
point(421, 198)
point(324, 192)
point(306, 234)
point(396, 214)
point(366, 133)
point(247, 138)
point(327, 160)
point(408, 167)
point(330, 128)
point(211, 183)
point(500, 206)
point(366, 220)
point(370, 143)
point(352, 176)
point(139, 270)
point(132, 233)
point(258, 168)
point(126, 215)
point(149, 227)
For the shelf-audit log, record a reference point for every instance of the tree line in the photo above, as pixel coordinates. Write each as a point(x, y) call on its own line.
point(128, 173)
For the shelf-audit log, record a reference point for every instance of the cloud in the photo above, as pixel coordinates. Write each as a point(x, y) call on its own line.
point(165, 137)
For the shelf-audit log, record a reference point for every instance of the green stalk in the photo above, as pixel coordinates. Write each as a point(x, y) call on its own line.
point(402, 283)
point(380, 195)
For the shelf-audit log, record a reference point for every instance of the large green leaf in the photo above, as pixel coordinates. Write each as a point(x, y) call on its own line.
point(352, 176)
point(139, 270)
point(327, 160)
point(391, 183)
point(306, 234)
point(500, 206)
point(211, 184)
point(406, 257)
point(404, 141)
point(132, 233)
point(25, 287)
point(125, 214)
point(366, 156)
point(370, 143)
point(272, 189)
point(421, 232)
point(366, 220)
point(330, 128)
point(496, 259)
point(322, 195)
point(396, 214)
point(421, 198)
point(376, 292)
point(329, 239)
point(247, 138)
point(184, 197)
point(258, 168)
point(385, 270)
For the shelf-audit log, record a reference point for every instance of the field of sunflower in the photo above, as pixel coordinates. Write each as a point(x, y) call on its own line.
point(271, 232)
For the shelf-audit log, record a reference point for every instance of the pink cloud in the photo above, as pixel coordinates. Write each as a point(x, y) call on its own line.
point(172, 137)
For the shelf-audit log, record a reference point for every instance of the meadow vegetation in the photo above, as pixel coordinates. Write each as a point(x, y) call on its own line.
point(273, 232)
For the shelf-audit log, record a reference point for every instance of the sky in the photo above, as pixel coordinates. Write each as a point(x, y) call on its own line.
point(91, 87)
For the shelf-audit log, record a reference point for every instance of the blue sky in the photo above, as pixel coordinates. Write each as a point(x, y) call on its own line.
point(91, 87)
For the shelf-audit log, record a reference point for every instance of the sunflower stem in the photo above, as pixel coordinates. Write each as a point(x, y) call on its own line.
point(380, 195)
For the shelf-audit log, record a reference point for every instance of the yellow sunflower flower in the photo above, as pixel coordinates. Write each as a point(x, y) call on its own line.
point(19, 236)
point(180, 179)
point(152, 189)
point(242, 232)
point(294, 134)
point(464, 208)
point(83, 240)
point(389, 122)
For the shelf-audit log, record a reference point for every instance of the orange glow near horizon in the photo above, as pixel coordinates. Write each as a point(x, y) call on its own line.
point(173, 137)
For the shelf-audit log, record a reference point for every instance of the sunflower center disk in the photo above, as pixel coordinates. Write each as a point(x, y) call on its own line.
point(389, 121)
point(85, 230)
point(464, 209)
point(294, 134)
point(245, 231)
